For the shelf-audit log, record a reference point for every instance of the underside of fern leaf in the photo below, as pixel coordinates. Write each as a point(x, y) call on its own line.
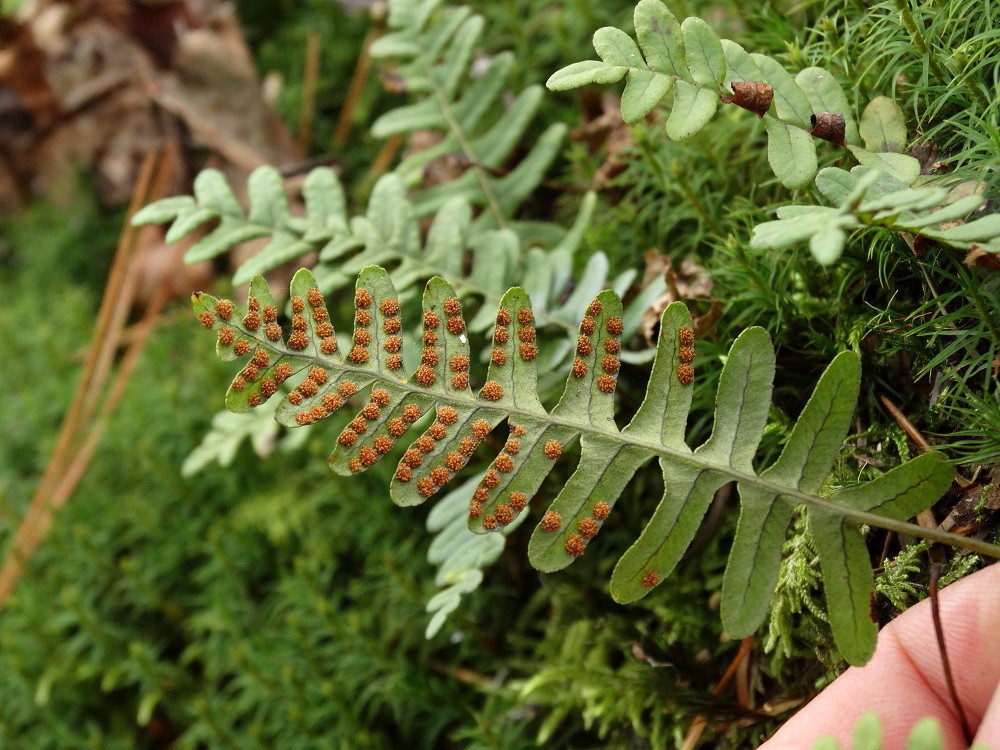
point(441, 387)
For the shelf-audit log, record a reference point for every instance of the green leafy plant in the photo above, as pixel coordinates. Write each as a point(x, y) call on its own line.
point(867, 197)
point(938, 60)
point(432, 48)
point(294, 595)
point(703, 70)
point(609, 458)
point(433, 52)
point(459, 554)
point(389, 233)
point(475, 239)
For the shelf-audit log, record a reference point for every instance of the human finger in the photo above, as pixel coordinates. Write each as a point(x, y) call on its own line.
point(905, 679)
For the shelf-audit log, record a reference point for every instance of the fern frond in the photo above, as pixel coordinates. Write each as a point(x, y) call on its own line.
point(537, 438)
point(869, 198)
point(702, 71)
point(432, 50)
point(483, 263)
point(227, 434)
point(460, 554)
point(291, 236)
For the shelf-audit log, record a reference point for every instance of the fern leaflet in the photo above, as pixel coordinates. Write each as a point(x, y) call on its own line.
point(389, 234)
point(459, 554)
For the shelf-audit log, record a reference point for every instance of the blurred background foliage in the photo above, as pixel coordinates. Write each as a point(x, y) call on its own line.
point(272, 604)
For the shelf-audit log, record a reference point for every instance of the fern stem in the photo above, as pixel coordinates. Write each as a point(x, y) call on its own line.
point(858, 516)
point(463, 141)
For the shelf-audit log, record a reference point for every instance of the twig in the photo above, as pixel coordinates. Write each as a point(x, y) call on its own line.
point(135, 331)
point(95, 367)
point(925, 517)
point(385, 156)
point(73, 449)
point(308, 107)
point(362, 70)
point(945, 663)
point(700, 722)
point(467, 676)
point(307, 165)
point(916, 436)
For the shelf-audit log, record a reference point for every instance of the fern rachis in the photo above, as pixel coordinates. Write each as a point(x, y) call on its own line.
point(586, 411)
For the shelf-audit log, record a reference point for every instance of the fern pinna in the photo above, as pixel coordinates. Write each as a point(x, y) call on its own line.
point(442, 385)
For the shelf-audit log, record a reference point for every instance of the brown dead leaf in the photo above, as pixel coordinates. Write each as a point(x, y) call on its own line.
point(23, 70)
point(83, 84)
point(603, 128)
point(977, 257)
point(926, 152)
point(829, 126)
point(974, 508)
point(691, 281)
point(100, 84)
point(214, 88)
point(752, 96)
